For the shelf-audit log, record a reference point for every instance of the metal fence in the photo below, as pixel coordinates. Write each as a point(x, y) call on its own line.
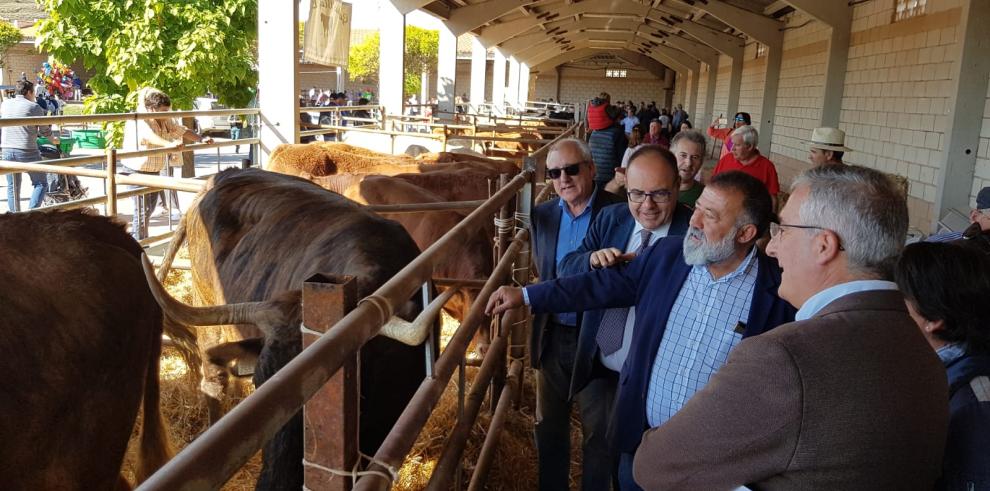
point(219, 452)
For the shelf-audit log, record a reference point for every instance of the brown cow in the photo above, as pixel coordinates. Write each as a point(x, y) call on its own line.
point(256, 236)
point(81, 343)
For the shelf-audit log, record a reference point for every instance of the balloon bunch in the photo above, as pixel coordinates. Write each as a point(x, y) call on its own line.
point(57, 79)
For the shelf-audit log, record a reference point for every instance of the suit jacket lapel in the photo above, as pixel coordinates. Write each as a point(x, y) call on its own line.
point(619, 236)
point(764, 295)
point(553, 229)
point(682, 217)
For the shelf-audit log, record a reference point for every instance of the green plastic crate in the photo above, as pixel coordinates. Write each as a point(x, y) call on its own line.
point(64, 144)
point(90, 138)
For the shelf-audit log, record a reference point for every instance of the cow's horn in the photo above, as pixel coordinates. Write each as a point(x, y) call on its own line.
point(256, 313)
point(415, 332)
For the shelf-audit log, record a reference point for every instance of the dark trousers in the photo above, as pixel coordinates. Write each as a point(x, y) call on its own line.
point(626, 481)
point(553, 416)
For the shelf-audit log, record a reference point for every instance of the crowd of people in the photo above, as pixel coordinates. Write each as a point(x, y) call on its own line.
point(712, 342)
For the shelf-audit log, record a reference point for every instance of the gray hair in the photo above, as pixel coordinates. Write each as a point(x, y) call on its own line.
point(748, 135)
point(693, 136)
point(582, 148)
point(864, 207)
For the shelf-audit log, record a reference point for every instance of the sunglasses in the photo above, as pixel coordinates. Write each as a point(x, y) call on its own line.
point(740, 118)
point(570, 169)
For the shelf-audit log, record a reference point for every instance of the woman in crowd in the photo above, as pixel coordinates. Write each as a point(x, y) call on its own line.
point(944, 286)
point(725, 134)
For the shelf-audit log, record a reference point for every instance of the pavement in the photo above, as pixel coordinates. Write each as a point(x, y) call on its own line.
point(207, 162)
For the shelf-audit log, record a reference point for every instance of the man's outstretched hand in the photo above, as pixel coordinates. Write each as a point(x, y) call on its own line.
point(505, 298)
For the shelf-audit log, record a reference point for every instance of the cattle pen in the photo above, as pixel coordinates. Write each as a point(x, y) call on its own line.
point(336, 325)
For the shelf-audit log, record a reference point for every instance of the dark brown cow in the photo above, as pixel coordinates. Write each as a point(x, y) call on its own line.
point(255, 236)
point(80, 344)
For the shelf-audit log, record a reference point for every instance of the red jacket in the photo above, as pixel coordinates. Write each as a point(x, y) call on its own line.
point(598, 116)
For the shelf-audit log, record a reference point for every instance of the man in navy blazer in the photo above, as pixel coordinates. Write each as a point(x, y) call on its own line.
point(700, 296)
point(558, 227)
point(652, 182)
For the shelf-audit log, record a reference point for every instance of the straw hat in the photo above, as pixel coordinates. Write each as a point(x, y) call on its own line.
point(832, 139)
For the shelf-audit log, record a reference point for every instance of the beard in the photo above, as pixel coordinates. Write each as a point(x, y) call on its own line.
point(703, 252)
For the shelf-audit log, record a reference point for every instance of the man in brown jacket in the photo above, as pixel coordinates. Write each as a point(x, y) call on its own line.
point(848, 396)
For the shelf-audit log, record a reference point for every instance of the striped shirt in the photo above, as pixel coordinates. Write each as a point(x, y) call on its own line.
point(701, 331)
point(22, 137)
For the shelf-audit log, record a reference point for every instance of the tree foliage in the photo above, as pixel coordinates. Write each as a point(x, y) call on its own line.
point(420, 56)
point(9, 36)
point(184, 48)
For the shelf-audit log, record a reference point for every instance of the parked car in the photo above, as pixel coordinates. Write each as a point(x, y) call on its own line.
point(217, 125)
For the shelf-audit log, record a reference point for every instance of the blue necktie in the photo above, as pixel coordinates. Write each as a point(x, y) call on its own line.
point(613, 326)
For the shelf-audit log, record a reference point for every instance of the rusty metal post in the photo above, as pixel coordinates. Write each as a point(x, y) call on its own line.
point(331, 415)
point(487, 454)
point(111, 182)
point(505, 229)
point(444, 144)
point(449, 462)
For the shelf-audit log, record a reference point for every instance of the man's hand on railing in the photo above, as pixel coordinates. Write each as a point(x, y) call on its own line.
point(505, 298)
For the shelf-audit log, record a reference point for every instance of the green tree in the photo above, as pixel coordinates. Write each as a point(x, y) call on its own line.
point(420, 56)
point(9, 36)
point(184, 48)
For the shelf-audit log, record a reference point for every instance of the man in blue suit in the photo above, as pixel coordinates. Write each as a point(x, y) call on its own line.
point(700, 296)
point(558, 227)
point(652, 213)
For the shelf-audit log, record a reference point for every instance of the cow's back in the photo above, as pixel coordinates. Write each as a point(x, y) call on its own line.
point(256, 235)
point(80, 328)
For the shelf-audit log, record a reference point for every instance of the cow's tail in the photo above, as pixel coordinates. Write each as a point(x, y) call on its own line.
point(178, 238)
point(155, 447)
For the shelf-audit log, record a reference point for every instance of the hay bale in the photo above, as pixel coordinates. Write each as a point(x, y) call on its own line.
point(515, 462)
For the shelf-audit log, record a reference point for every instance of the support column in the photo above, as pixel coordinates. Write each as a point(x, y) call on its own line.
point(970, 72)
point(768, 111)
point(498, 82)
point(391, 56)
point(278, 26)
point(512, 91)
point(838, 16)
point(523, 84)
point(710, 95)
point(692, 106)
point(479, 58)
point(446, 69)
point(835, 72)
point(735, 83)
point(342, 80)
point(556, 91)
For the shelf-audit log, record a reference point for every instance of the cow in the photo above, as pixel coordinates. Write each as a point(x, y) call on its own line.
point(79, 353)
point(256, 236)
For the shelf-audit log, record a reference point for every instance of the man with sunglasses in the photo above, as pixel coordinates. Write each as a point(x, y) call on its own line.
point(850, 396)
point(558, 227)
point(618, 233)
point(695, 299)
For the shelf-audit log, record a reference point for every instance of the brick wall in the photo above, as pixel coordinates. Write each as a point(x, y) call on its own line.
point(895, 104)
point(578, 85)
point(753, 81)
point(800, 94)
point(982, 177)
point(724, 72)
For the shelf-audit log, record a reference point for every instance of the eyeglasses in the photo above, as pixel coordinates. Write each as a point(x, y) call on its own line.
point(570, 169)
point(660, 196)
point(777, 228)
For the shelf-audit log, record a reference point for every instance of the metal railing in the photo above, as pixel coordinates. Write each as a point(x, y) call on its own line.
point(219, 452)
point(109, 160)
